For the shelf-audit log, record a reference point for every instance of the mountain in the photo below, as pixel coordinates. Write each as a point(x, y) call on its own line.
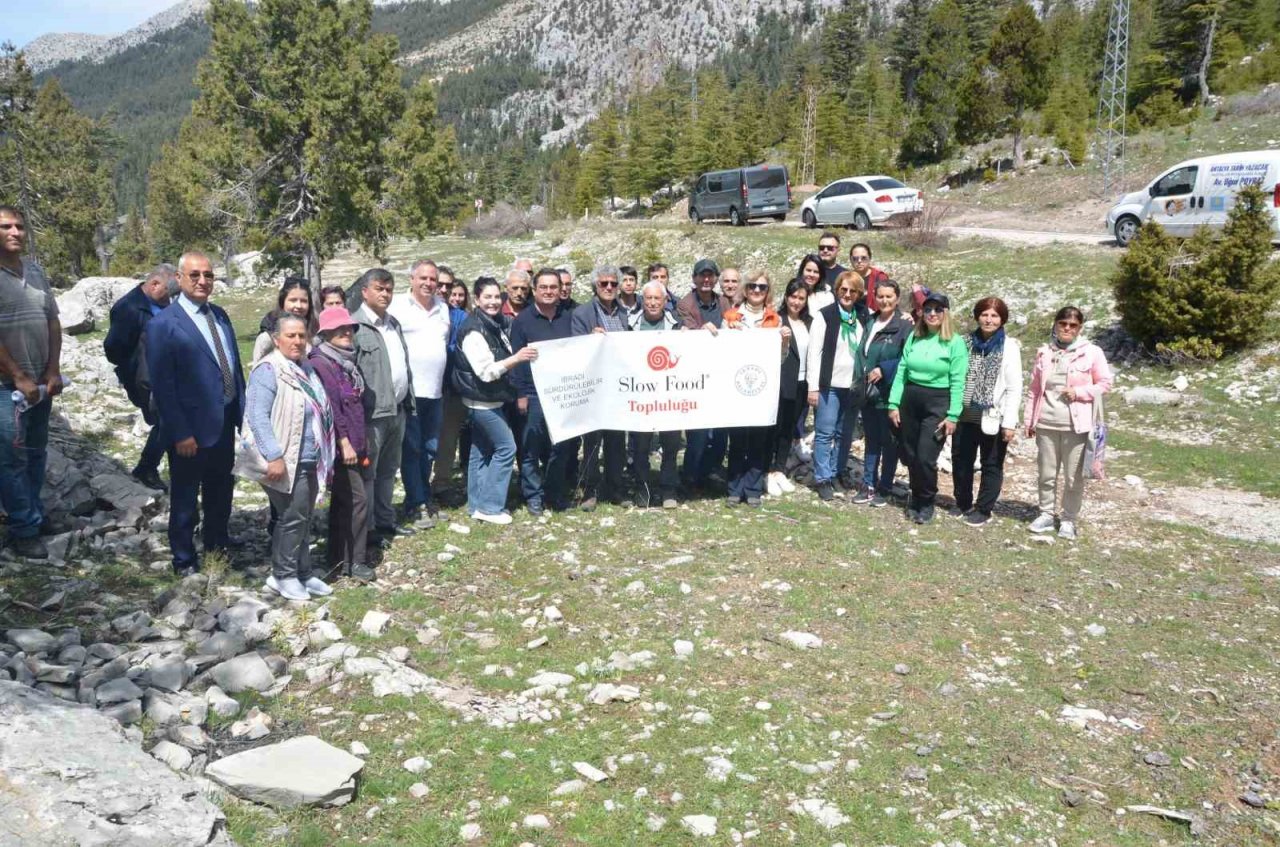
point(49, 50)
point(504, 67)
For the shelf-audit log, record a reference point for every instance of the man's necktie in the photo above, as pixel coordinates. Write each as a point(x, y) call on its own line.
point(228, 383)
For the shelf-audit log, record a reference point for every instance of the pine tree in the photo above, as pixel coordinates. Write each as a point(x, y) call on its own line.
point(132, 252)
point(907, 40)
point(66, 162)
point(844, 32)
point(422, 165)
point(979, 19)
point(308, 93)
point(943, 66)
point(17, 98)
point(1012, 80)
point(598, 173)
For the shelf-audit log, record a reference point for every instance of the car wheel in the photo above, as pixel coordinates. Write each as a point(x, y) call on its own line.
point(735, 218)
point(694, 215)
point(861, 221)
point(1126, 229)
point(810, 220)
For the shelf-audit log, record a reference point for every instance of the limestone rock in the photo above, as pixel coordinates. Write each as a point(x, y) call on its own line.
point(302, 771)
point(242, 673)
point(72, 777)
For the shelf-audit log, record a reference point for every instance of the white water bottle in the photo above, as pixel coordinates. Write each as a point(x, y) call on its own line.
point(20, 399)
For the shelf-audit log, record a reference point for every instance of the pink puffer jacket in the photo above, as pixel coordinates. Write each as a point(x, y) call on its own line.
point(1087, 372)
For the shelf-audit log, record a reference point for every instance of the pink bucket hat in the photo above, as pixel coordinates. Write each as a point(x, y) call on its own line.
point(335, 317)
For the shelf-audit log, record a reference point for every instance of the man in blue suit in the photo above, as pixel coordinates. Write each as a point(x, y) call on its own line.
point(198, 390)
point(123, 346)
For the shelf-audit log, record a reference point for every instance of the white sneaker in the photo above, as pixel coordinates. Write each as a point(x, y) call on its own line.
point(289, 589)
point(1067, 530)
point(1044, 523)
point(774, 488)
point(785, 484)
point(317, 587)
point(501, 519)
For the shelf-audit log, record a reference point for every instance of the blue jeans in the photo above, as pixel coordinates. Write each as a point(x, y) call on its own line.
point(704, 451)
point(493, 452)
point(542, 464)
point(832, 433)
point(22, 461)
point(418, 454)
point(881, 460)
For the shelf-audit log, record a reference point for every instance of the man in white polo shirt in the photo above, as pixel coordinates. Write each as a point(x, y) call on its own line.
point(424, 321)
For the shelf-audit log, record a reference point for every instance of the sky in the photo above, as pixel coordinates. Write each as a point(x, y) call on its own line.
point(24, 20)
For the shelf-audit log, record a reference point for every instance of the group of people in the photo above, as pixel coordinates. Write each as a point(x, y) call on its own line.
point(349, 388)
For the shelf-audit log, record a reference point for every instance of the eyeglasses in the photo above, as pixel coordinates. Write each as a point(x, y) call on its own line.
point(827, 248)
point(196, 276)
point(859, 259)
point(607, 283)
point(933, 310)
point(757, 286)
point(1069, 324)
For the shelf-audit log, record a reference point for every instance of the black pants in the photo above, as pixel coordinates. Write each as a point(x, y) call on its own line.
point(613, 445)
point(205, 477)
point(791, 411)
point(968, 442)
point(749, 448)
point(919, 440)
point(348, 518)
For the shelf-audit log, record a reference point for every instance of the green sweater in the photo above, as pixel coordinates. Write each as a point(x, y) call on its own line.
point(933, 363)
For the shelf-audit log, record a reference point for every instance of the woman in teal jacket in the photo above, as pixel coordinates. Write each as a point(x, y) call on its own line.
point(926, 400)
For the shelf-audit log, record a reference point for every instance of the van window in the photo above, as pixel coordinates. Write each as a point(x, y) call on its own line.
point(1181, 181)
point(771, 178)
point(884, 183)
point(715, 183)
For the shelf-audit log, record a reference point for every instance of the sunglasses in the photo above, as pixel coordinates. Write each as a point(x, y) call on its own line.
point(1069, 324)
point(933, 310)
point(860, 259)
point(196, 276)
point(827, 248)
point(757, 286)
point(607, 283)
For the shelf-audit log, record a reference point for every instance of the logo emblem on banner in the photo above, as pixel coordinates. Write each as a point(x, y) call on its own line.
point(660, 359)
point(750, 380)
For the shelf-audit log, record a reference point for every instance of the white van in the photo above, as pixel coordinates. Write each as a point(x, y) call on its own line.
point(1197, 192)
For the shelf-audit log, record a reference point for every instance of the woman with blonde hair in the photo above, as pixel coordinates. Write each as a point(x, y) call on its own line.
point(837, 382)
point(749, 445)
point(926, 399)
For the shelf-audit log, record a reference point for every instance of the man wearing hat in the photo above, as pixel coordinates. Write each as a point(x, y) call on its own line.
point(702, 307)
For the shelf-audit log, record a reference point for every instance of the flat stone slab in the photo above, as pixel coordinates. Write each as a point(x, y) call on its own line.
point(302, 771)
point(68, 775)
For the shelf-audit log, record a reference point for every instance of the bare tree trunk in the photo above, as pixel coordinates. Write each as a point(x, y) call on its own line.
point(100, 247)
point(1207, 58)
point(228, 258)
point(311, 265)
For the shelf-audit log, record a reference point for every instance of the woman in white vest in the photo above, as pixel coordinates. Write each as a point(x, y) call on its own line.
point(288, 447)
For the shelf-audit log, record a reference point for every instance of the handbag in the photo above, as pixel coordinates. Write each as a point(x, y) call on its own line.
point(1095, 449)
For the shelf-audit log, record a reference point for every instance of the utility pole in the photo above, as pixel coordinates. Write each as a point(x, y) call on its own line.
point(1113, 99)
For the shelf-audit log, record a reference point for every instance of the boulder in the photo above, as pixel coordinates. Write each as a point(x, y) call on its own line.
point(70, 776)
point(1147, 395)
point(242, 673)
point(302, 771)
point(89, 302)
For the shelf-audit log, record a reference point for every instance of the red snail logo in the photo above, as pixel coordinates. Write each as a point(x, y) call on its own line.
point(660, 359)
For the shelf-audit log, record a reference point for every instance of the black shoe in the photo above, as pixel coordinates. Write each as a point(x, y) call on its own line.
point(420, 518)
point(826, 491)
point(753, 502)
point(51, 526)
point(29, 548)
point(362, 573)
point(535, 509)
point(847, 482)
point(957, 512)
point(977, 518)
point(925, 514)
point(390, 532)
point(880, 500)
point(151, 479)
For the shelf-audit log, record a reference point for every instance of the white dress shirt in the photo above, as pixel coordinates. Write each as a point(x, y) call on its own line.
point(426, 334)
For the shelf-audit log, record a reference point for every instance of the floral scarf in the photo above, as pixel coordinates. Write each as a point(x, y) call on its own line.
point(986, 358)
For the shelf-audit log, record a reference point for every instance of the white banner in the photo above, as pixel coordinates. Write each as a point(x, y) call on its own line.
point(657, 381)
